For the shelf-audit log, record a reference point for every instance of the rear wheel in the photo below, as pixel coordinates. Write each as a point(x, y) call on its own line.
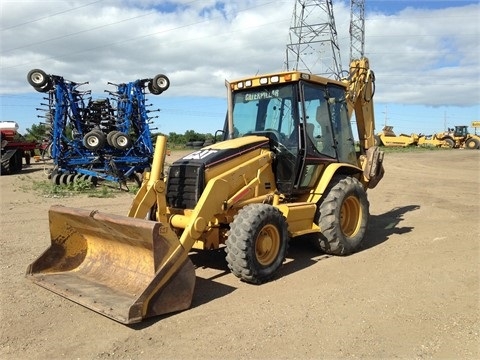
point(472, 144)
point(342, 216)
point(257, 243)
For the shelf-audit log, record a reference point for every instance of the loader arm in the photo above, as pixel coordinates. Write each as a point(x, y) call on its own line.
point(221, 193)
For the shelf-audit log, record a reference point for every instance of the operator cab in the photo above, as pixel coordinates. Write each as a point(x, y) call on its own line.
point(307, 125)
point(460, 131)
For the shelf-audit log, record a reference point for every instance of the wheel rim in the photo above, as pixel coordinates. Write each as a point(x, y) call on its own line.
point(161, 83)
point(122, 140)
point(92, 141)
point(37, 78)
point(472, 145)
point(267, 245)
point(350, 216)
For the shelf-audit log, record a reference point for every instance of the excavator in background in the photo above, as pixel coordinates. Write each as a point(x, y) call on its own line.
point(288, 166)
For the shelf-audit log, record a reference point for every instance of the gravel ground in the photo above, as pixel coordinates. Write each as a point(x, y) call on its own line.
point(412, 292)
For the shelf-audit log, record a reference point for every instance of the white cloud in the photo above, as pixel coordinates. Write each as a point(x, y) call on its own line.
point(428, 57)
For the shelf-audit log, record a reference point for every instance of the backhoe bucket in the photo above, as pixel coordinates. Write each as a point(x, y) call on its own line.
point(124, 268)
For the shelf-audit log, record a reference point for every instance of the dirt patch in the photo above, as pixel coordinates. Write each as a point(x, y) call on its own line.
point(411, 292)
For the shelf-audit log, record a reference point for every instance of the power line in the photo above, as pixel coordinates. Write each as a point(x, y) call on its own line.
point(50, 16)
point(136, 37)
point(79, 32)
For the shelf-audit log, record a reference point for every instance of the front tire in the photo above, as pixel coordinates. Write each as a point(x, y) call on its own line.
point(450, 143)
point(342, 216)
point(257, 243)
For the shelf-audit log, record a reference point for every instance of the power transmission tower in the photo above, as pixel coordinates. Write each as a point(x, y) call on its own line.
point(357, 29)
point(313, 43)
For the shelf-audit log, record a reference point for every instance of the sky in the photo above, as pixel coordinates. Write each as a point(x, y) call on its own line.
point(425, 55)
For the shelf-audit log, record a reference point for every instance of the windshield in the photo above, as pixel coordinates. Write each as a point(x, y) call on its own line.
point(264, 109)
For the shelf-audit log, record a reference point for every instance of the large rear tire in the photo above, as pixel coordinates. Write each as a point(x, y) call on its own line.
point(342, 216)
point(472, 144)
point(257, 243)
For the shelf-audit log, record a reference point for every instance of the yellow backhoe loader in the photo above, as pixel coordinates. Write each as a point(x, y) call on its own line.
point(287, 167)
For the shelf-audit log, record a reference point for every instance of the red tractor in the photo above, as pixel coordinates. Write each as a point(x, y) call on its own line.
point(13, 149)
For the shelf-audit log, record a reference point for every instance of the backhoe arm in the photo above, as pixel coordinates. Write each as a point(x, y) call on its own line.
point(360, 91)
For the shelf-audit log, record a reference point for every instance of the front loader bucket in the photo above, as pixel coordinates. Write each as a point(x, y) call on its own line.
point(124, 268)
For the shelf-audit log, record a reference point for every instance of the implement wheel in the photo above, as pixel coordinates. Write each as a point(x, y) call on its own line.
point(160, 83)
point(121, 141)
point(37, 78)
point(342, 216)
point(257, 243)
point(94, 140)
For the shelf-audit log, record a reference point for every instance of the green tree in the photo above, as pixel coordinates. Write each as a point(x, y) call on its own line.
point(37, 132)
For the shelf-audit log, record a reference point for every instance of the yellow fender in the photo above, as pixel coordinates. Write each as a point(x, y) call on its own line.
point(317, 193)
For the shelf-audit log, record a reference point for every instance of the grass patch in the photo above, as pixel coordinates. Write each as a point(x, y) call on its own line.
point(410, 149)
point(78, 187)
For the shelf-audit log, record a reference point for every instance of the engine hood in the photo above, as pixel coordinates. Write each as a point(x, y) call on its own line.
point(220, 152)
point(187, 176)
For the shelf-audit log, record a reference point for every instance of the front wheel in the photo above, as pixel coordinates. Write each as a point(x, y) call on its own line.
point(342, 216)
point(450, 143)
point(257, 243)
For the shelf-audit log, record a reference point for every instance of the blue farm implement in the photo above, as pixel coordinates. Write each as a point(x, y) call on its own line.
point(94, 139)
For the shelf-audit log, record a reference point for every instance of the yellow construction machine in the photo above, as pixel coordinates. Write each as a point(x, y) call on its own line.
point(459, 137)
point(287, 167)
point(431, 141)
point(387, 137)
